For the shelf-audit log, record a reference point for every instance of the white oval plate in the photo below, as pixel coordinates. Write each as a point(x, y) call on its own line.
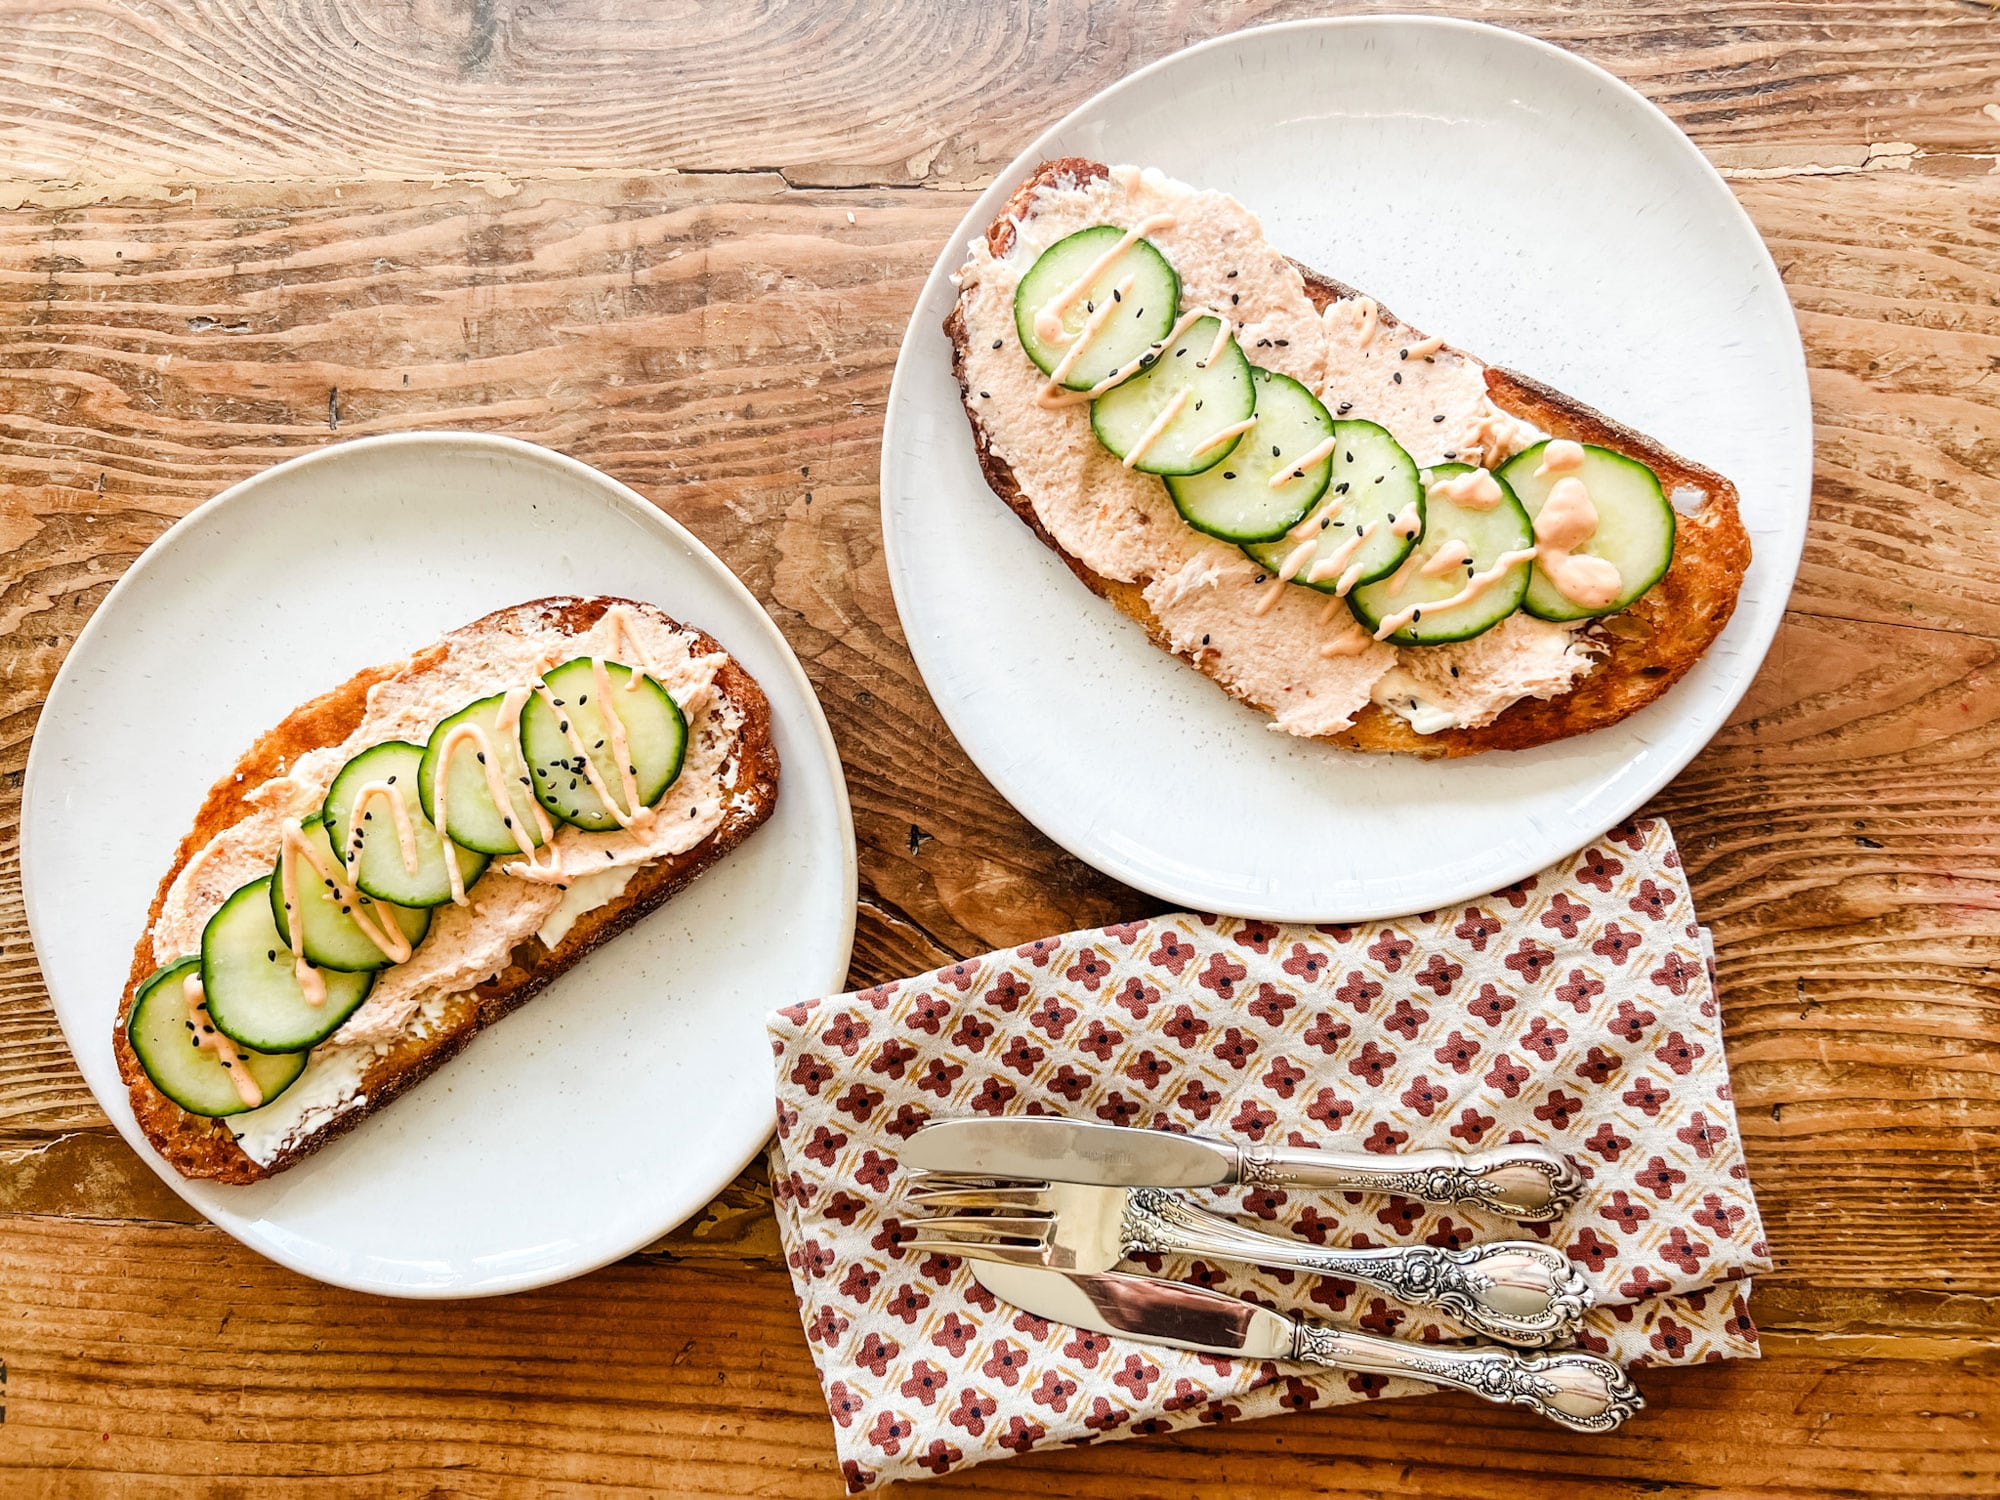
point(613, 1105)
point(1488, 187)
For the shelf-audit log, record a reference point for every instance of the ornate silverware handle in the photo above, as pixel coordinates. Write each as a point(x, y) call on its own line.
point(1513, 1290)
point(1528, 1182)
point(1580, 1391)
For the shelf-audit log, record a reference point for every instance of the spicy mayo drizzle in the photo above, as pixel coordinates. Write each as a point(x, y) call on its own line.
point(226, 1052)
point(374, 923)
point(1476, 585)
point(1566, 522)
point(1048, 322)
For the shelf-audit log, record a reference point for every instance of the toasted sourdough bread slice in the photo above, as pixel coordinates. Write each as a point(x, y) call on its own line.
point(197, 1146)
point(1645, 648)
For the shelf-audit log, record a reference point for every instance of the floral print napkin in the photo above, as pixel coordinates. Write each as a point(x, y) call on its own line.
point(1576, 1007)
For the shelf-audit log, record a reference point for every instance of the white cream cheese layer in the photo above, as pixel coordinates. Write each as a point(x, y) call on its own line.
point(466, 945)
point(1300, 660)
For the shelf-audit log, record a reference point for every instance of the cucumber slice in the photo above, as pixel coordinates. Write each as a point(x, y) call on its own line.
point(175, 1044)
point(1171, 413)
point(474, 818)
point(1140, 314)
point(1235, 501)
point(380, 870)
point(651, 723)
point(1477, 540)
point(328, 932)
point(1373, 495)
point(1635, 526)
point(254, 997)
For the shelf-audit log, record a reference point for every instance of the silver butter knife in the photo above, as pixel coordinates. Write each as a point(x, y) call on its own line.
point(1580, 1391)
point(1527, 1182)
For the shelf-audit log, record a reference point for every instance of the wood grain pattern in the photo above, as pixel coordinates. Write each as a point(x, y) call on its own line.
point(683, 1379)
point(831, 94)
point(682, 242)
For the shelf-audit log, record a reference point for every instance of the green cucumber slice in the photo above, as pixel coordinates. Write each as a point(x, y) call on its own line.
point(1235, 501)
point(165, 1035)
point(1373, 493)
point(1141, 316)
point(655, 740)
point(1171, 412)
point(1635, 526)
point(254, 997)
point(328, 932)
point(474, 818)
point(379, 870)
point(1484, 536)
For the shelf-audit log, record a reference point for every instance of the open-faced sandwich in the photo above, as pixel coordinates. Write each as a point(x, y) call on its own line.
point(410, 856)
point(1366, 534)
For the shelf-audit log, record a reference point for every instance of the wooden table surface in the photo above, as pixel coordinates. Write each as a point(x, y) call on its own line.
point(681, 243)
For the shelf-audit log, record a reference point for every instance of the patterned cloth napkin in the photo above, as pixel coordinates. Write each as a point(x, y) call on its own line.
point(1576, 1007)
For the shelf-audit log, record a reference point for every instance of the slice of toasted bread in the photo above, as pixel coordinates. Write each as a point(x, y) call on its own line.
point(1645, 649)
point(200, 1147)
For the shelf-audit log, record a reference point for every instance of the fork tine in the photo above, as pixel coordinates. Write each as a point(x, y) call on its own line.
point(1038, 1229)
point(923, 1179)
point(1026, 1196)
point(1010, 1255)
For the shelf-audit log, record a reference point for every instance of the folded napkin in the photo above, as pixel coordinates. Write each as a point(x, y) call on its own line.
point(1576, 1007)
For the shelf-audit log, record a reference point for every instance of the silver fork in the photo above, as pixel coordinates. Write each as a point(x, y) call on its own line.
point(1516, 1291)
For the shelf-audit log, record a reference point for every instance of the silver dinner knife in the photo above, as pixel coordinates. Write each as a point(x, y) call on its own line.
point(1580, 1391)
point(1528, 1182)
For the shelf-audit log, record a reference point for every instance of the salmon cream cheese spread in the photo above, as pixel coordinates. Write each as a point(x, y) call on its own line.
point(1297, 651)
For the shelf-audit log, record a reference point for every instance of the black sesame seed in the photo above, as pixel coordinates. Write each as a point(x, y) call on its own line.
point(392, 781)
point(1399, 377)
point(1451, 453)
point(1234, 299)
point(1284, 343)
point(583, 700)
point(1116, 295)
point(1346, 406)
point(1454, 671)
point(986, 395)
point(1228, 474)
point(1274, 450)
point(997, 343)
point(1438, 418)
point(482, 757)
point(1402, 354)
point(270, 956)
point(1232, 276)
point(1204, 639)
point(1341, 488)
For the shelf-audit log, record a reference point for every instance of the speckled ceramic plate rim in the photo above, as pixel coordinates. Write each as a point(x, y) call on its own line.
point(709, 1164)
point(1128, 856)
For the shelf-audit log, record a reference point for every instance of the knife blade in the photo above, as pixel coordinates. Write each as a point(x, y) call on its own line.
point(1523, 1180)
point(1583, 1392)
point(1143, 1308)
point(1045, 1146)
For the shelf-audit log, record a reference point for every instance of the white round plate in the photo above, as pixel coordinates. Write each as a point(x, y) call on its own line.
point(613, 1105)
point(1485, 186)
